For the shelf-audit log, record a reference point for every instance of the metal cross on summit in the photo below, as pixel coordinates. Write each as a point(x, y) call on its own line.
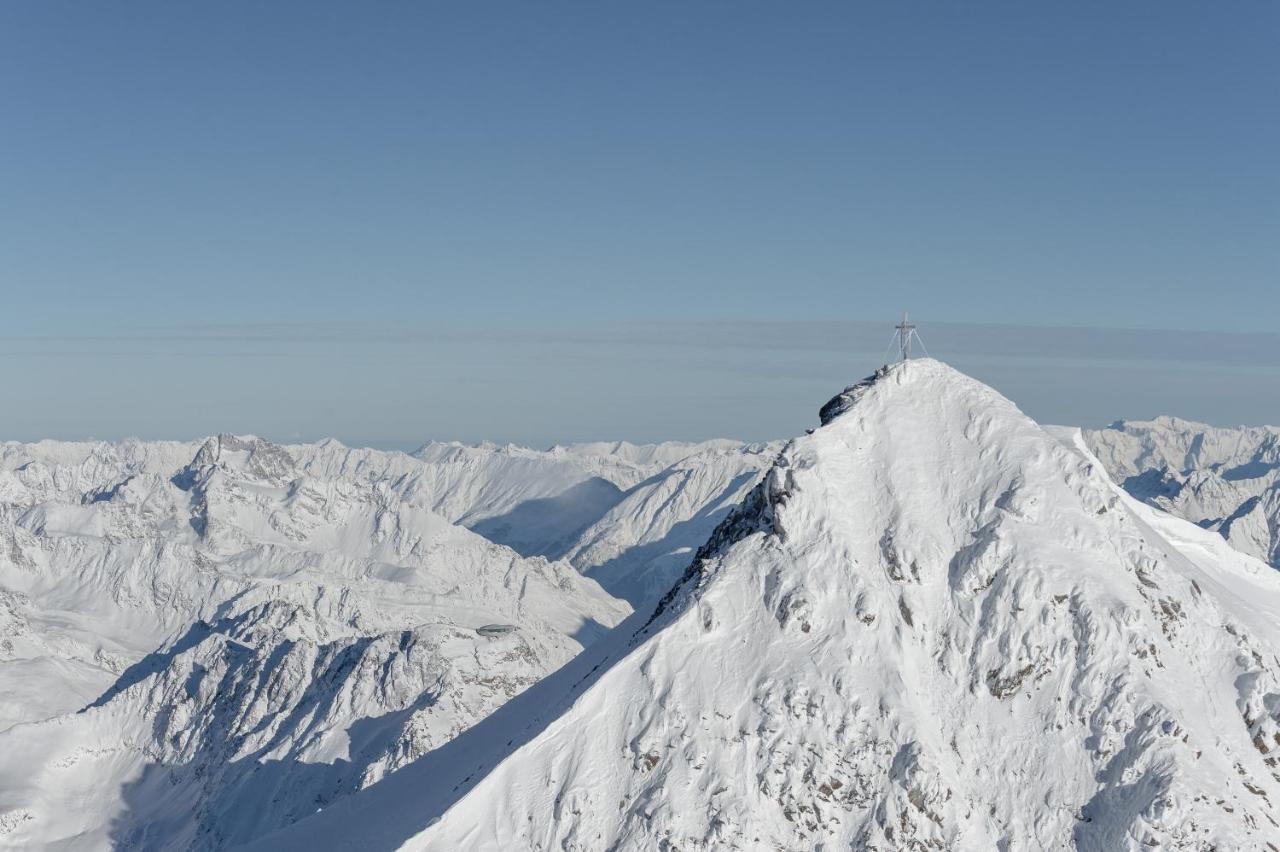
point(904, 333)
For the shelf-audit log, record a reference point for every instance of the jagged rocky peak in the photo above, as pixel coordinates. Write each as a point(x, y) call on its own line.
point(934, 625)
point(247, 456)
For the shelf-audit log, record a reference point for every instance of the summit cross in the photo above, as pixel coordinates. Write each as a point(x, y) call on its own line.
point(905, 332)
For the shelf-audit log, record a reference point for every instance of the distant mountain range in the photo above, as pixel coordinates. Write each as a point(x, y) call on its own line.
point(1224, 479)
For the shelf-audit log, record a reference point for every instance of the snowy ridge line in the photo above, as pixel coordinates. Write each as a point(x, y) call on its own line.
point(754, 515)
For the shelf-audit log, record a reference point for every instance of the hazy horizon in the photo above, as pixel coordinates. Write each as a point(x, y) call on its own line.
point(662, 380)
point(538, 224)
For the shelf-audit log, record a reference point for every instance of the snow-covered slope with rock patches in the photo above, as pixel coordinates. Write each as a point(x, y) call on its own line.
point(313, 633)
point(1222, 478)
point(640, 546)
point(249, 723)
point(76, 470)
point(933, 625)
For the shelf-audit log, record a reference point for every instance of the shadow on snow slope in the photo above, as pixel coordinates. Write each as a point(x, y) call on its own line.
point(407, 801)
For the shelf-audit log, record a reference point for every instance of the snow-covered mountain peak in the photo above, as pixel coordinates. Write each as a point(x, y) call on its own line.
point(919, 463)
point(246, 457)
point(933, 624)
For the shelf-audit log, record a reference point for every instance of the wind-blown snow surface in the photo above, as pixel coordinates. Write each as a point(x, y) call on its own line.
point(1224, 479)
point(933, 625)
point(245, 640)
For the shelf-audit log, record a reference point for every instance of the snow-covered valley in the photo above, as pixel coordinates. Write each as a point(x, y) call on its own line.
point(878, 635)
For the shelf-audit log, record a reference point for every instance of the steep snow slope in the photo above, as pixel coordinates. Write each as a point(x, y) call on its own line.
point(1224, 479)
point(932, 625)
point(640, 546)
point(315, 632)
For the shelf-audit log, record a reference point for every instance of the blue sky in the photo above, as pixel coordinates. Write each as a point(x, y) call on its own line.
point(539, 222)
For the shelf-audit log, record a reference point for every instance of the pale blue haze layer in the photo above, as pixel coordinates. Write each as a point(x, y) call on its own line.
point(390, 222)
